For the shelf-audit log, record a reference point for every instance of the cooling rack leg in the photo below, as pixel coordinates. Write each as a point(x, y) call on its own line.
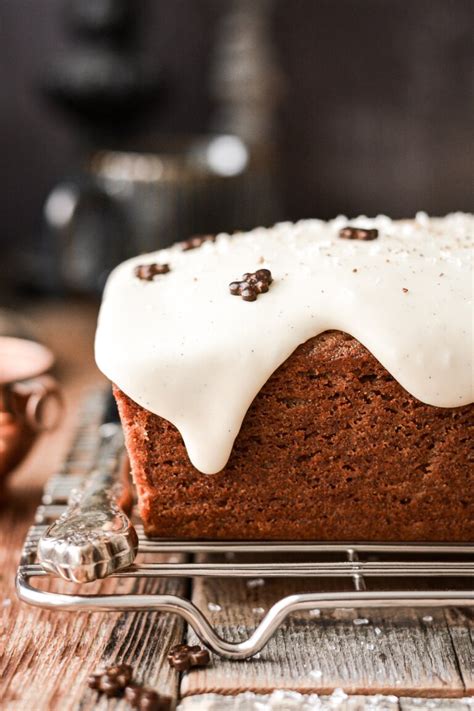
point(200, 624)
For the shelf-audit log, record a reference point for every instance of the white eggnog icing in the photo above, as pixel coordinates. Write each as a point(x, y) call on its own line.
point(186, 349)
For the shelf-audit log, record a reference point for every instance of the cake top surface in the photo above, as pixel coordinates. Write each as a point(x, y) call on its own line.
point(177, 340)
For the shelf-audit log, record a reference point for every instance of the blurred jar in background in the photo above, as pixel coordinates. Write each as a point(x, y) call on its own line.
point(134, 202)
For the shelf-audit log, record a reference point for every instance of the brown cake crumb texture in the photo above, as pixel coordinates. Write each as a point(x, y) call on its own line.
point(332, 448)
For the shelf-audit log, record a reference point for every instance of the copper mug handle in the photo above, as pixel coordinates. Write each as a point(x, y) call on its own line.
point(38, 402)
point(27, 408)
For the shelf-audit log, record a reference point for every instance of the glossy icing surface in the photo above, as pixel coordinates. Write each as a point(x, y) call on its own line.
point(186, 349)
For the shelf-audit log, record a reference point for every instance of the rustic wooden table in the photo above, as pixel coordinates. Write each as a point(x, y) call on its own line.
point(401, 659)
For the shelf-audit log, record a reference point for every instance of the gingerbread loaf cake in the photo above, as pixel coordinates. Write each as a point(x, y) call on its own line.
point(325, 395)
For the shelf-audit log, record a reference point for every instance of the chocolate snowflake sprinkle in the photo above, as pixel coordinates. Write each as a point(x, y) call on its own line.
point(252, 284)
point(148, 272)
point(182, 657)
point(146, 699)
point(117, 681)
point(358, 233)
point(112, 681)
point(196, 241)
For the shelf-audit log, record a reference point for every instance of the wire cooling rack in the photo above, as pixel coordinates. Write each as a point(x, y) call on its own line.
point(350, 575)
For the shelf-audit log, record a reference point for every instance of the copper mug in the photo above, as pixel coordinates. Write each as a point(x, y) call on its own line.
point(30, 399)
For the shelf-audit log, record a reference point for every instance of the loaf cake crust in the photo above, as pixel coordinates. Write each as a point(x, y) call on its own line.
point(332, 448)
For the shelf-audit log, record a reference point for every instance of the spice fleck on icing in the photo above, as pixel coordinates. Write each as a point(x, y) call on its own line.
point(147, 272)
point(182, 657)
point(195, 241)
point(252, 284)
point(358, 233)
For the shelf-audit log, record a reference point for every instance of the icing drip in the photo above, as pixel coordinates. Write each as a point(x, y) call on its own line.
point(184, 348)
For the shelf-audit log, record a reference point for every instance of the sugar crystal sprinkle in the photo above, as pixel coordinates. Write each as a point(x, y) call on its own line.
point(338, 696)
point(213, 607)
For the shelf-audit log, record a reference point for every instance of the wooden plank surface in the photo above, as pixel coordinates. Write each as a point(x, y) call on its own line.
point(404, 652)
point(45, 656)
point(461, 629)
point(291, 701)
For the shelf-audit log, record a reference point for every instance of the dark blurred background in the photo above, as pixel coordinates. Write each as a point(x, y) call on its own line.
point(341, 106)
